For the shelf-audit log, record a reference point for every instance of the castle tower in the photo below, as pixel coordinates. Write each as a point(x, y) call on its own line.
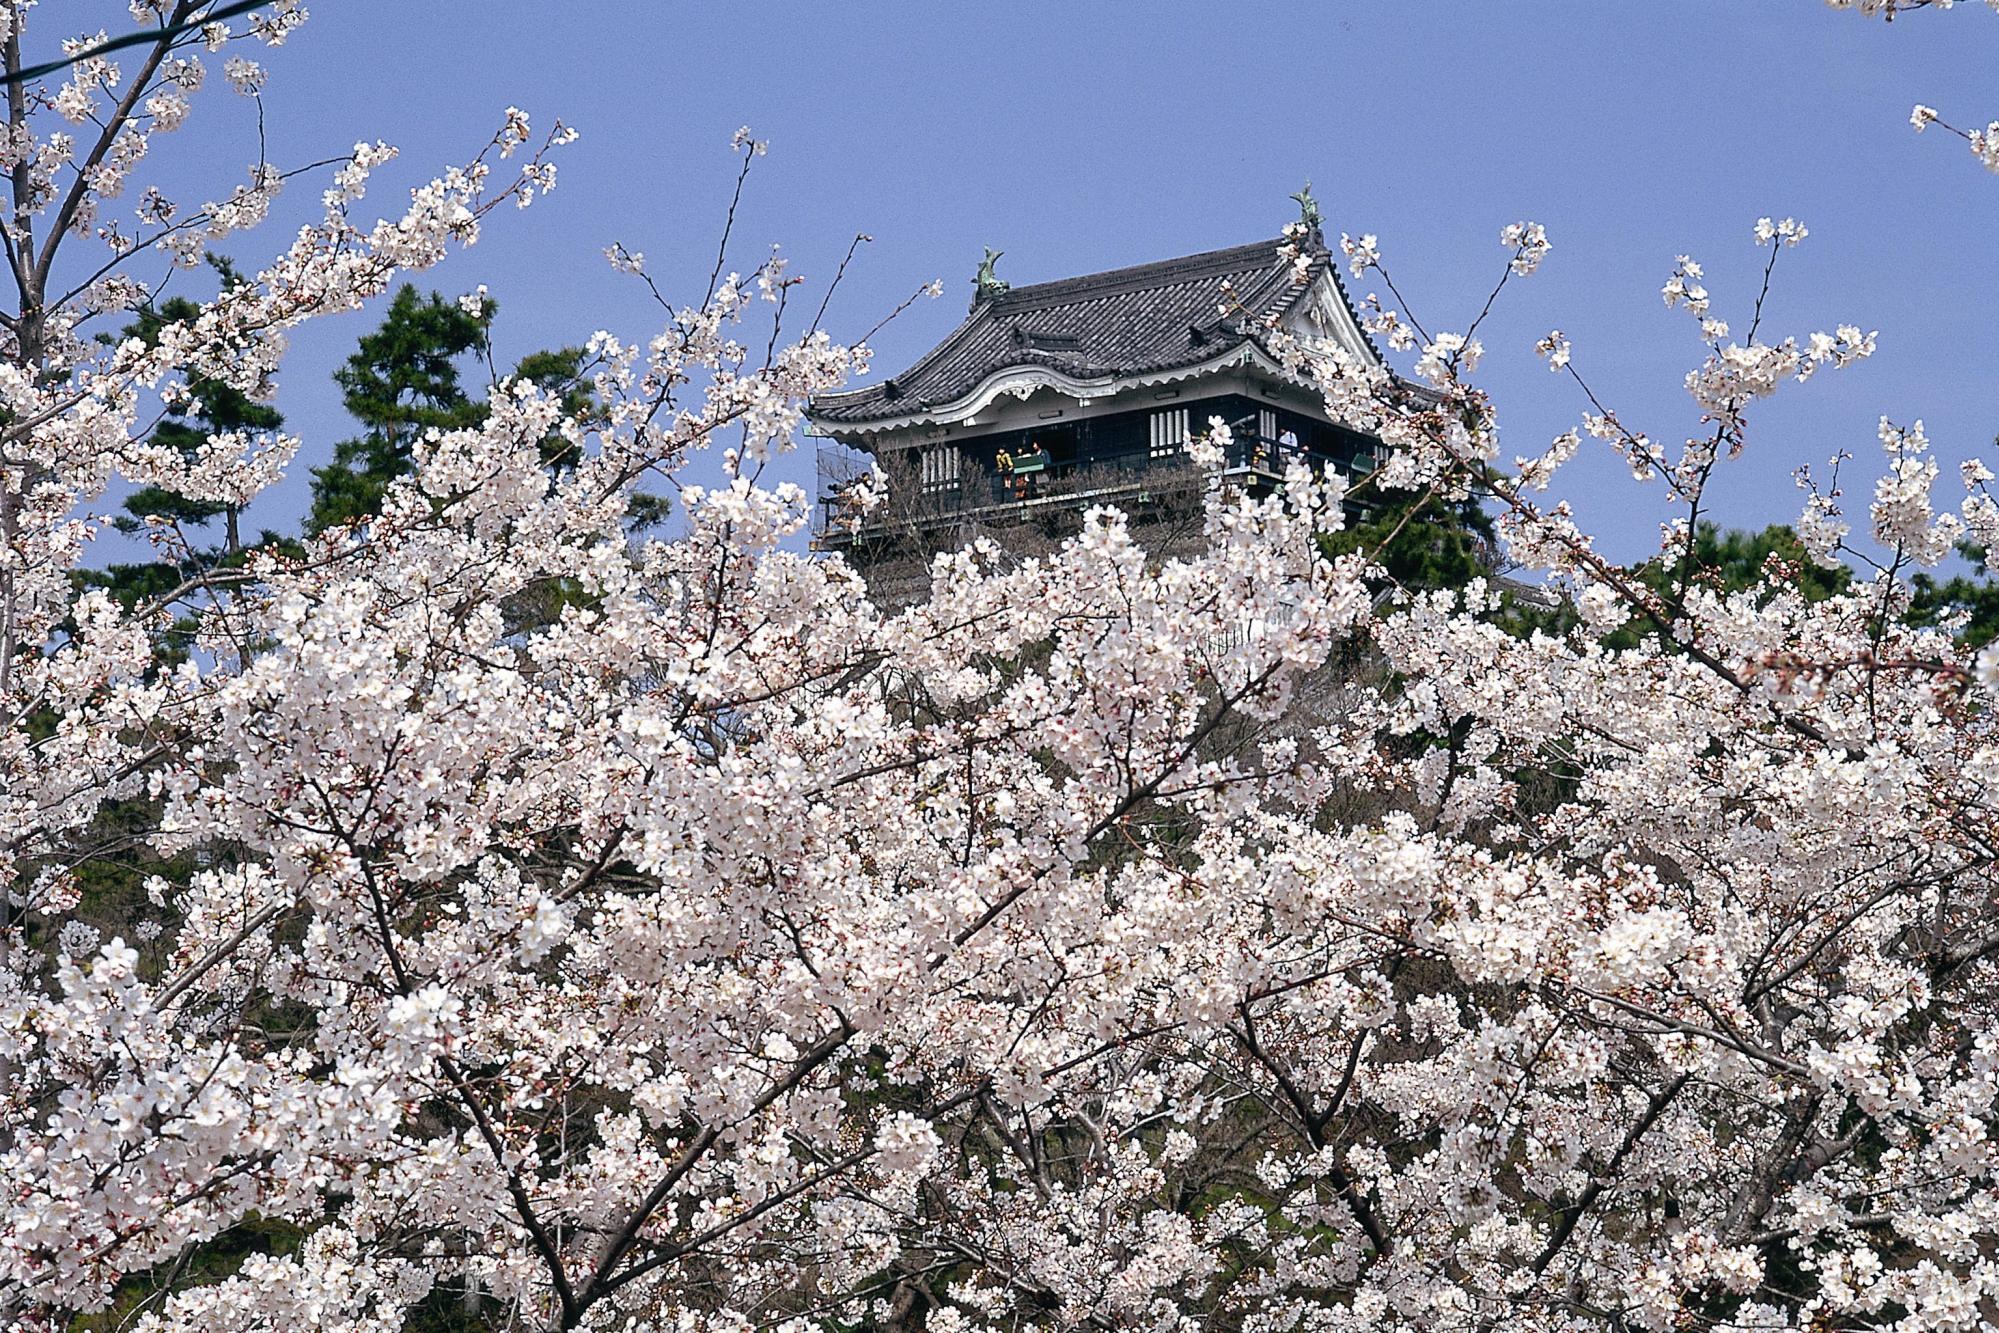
point(1051, 398)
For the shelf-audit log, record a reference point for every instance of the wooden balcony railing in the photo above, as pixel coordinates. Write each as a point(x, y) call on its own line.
point(1135, 477)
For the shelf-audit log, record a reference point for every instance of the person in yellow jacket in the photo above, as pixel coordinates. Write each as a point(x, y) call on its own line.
point(1003, 465)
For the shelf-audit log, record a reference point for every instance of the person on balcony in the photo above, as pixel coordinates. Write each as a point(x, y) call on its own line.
point(1035, 465)
point(842, 513)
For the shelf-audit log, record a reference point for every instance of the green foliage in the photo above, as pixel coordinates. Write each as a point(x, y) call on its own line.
point(204, 1264)
point(213, 408)
point(400, 382)
point(1425, 544)
point(560, 374)
point(1975, 597)
point(1732, 560)
point(210, 408)
point(403, 380)
point(1421, 542)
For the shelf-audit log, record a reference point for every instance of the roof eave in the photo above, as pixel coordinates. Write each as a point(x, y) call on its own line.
point(1022, 380)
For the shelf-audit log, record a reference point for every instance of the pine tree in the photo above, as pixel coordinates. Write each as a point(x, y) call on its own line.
point(1731, 560)
point(1420, 541)
point(400, 382)
point(1975, 597)
point(403, 380)
point(210, 408)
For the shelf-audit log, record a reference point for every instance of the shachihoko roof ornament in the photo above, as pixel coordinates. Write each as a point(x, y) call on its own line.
point(989, 284)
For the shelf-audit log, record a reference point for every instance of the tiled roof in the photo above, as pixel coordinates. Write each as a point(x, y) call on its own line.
point(1127, 321)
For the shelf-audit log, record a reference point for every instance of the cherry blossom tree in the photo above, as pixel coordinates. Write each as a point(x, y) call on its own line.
point(1099, 941)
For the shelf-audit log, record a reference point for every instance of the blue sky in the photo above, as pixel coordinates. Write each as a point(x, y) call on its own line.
point(1086, 135)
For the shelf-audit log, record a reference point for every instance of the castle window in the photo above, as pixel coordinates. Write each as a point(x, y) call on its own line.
point(939, 465)
point(1169, 432)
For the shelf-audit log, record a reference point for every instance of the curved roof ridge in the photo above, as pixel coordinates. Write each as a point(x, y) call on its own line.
point(1140, 277)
